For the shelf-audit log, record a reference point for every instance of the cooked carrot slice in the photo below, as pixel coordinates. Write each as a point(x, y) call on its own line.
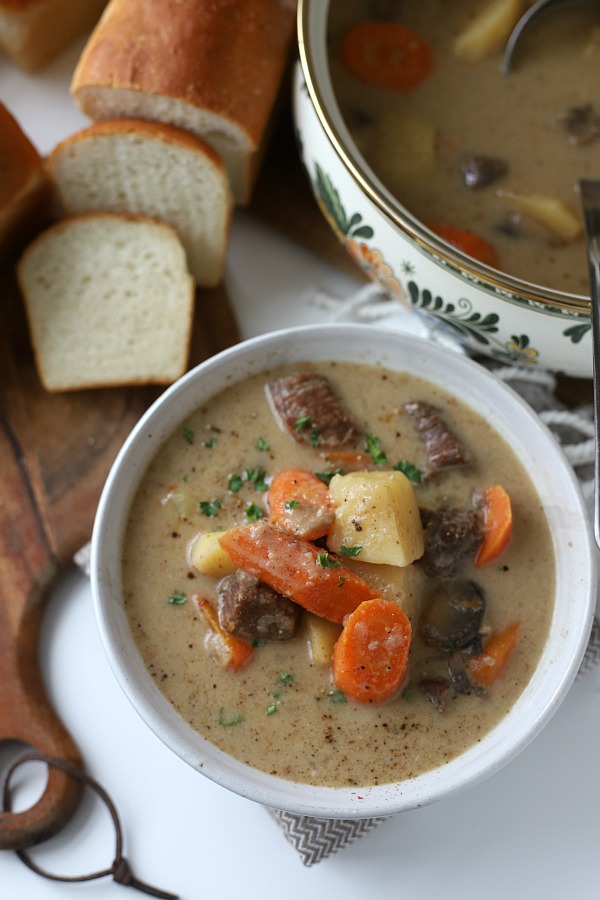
point(371, 654)
point(497, 524)
point(488, 667)
point(386, 55)
point(300, 503)
point(311, 577)
point(229, 649)
point(467, 241)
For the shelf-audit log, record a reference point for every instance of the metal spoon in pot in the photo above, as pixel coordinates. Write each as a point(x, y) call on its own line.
point(590, 199)
point(527, 17)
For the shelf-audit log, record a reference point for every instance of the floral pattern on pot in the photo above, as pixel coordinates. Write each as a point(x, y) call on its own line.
point(461, 318)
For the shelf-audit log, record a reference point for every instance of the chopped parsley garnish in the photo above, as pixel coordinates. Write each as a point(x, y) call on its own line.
point(350, 551)
point(257, 477)
point(291, 504)
point(326, 477)
point(235, 483)
point(185, 477)
point(210, 507)
point(211, 442)
point(188, 435)
point(373, 446)
point(314, 437)
point(412, 472)
point(408, 694)
point(177, 599)
point(337, 696)
point(303, 422)
point(286, 678)
point(226, 721)
point(341, 582)
point(325, 560)
point(261, 444)
point(254, 512)
point(271, 709)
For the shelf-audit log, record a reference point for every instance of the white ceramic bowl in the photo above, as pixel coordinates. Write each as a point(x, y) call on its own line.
point(492, 313)
point(550, 473)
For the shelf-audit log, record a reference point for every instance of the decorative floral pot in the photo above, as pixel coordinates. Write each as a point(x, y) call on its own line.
point(491, 313)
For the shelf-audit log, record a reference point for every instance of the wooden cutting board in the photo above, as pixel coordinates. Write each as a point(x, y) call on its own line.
point(55, 453)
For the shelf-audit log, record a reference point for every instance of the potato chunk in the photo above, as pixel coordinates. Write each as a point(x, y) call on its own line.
point(207, 556)
point(489, 30)
point(377, 511)
point(321, 635)
point(548, 211)
point(405, 586)
point(404, 148)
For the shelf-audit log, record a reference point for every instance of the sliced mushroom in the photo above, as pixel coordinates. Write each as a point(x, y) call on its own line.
point(453, 615)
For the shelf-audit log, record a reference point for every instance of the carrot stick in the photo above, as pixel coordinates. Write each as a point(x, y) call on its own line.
point(311, 577)
point(300, 503)
point(467, 241)
point(229, 650)
point(386, 55)
point(497, 519)
point(488, 667)
point(371, 654)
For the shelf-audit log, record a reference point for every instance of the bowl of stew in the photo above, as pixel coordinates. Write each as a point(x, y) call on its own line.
point(451, 184)
point(341, 572)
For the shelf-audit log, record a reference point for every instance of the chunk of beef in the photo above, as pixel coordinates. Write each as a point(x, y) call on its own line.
point(452, 537)
point(441, 445)
point(251, 610)
point(308, 409)
point(481, 171)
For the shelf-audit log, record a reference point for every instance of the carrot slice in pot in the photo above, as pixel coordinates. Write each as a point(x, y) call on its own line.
point(467, 241)
point(386, 55)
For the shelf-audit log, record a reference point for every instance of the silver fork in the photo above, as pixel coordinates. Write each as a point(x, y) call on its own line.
point(590, 199)
point(527, 17)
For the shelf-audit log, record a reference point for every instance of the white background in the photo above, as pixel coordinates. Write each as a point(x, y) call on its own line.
point(532, 831)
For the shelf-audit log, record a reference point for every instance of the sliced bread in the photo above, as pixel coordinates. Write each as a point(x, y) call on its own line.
point(212, 67)
point(146, 168)
point(32, 32)
point(25, 190)
point(109, 301)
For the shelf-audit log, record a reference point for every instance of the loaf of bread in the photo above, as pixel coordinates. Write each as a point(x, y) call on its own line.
point(134, 166)
point(211, 67)
point(109, 301)
point(25, 191)
point(32, 32)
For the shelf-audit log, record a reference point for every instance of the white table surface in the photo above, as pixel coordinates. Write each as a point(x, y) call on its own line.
point(531, 831)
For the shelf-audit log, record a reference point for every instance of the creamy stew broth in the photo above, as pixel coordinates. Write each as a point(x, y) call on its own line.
point(280, 712)
point(432, 145)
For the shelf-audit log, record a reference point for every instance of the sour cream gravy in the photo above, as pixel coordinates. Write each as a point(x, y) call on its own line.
point(476, 110)
point(279, 714)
